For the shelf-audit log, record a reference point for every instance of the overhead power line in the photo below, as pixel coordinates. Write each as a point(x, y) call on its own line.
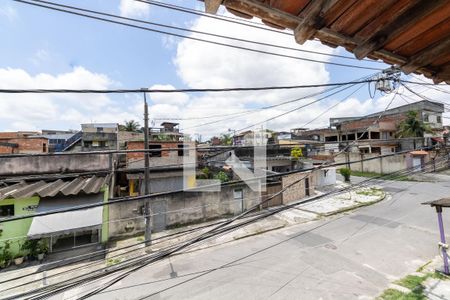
point(252, 111)
point(76, 12)
point(199, 32)
point(239, 21)
point(187, 90)
point(117, 200)
point(136, 263)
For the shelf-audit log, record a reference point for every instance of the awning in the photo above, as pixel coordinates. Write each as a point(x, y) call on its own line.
point(67, 222)
point(444, 202)
point(418, 152)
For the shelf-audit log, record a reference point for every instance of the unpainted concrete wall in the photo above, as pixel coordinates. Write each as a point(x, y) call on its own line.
point(53, 164)
point(179, 209)
point(380, 165)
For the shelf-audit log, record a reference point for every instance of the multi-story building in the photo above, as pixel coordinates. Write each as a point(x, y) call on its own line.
point(375, 134)
point(94, 137)
point(166, 160)
point(23, 142)
point(58, 139)
point(253, 138)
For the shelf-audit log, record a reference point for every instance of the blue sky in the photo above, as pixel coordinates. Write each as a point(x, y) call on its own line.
point(43, 48)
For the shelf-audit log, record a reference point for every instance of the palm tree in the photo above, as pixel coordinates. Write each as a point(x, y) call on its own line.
point(226, 139)
point(131, 125)
point(412, 126)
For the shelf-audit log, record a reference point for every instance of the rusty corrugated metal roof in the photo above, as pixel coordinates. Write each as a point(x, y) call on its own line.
point(86, 185)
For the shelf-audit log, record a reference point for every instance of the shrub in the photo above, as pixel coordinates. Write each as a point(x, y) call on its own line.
point(30, 247)
point(296, 153)
point(345, 172)
point(222, 176)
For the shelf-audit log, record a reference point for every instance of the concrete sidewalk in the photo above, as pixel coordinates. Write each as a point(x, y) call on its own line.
point(425, 283)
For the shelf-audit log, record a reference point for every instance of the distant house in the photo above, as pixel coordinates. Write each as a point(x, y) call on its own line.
point(57, 139)
point(94, 137)
point(375, 134)
point(253, 138)
point(62, 231)
point(23, 142)
point(166, 165)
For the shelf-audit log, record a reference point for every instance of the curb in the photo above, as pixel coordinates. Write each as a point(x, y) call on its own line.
point(361, 204)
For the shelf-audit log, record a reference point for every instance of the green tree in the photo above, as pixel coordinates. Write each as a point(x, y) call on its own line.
point(226, 139)
point(130, 125)
point(412, 126)
point(296, 153)
point(222, 176)
point(206, 173)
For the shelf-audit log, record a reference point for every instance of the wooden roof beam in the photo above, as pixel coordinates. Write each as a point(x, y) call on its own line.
point(427, 56)
point(391, 30)
point(212, 6)
point(312, 19)
point(263, 11)
point(444, 72)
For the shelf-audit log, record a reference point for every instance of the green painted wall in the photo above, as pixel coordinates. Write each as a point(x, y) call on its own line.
point(105, 219)
point(16, 231)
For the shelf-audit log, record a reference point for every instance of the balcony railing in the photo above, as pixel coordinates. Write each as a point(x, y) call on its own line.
point(164, 130)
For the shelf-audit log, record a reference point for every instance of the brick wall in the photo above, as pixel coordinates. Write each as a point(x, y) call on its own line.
point(297, 190)
point(26, 145)
point(7, 149)
point(139, 145)
point(364, 123)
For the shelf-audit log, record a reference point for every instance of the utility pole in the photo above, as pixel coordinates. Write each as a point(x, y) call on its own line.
point(148, 224)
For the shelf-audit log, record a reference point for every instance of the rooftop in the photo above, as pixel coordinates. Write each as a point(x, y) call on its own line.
point(424, 104)
point(104, 125)
point(86, 185)
point(444, 202)
point(408, 33)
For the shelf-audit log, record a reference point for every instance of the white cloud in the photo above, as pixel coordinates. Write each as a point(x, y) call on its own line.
point(168, 98)
point(8, 12)
point(37, 111)
point(131, 8)
point(201, 65)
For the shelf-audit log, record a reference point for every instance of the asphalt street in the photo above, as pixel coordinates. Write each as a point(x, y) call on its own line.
point(354, 255)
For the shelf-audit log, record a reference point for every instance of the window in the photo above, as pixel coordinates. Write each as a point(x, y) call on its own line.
point(99, 129)
point(181, 150)
point(439, 119)
point(425, 118)
point(307, 187)
point(238, 194)
point(154, 153)
point(44, 147)
point(6, 210)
